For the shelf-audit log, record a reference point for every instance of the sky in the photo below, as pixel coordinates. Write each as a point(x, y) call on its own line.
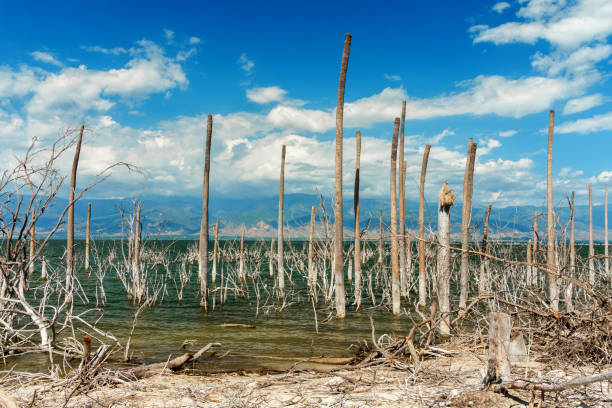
point(142, 76)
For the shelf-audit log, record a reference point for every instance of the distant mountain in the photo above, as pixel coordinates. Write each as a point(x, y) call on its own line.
point(179, 217)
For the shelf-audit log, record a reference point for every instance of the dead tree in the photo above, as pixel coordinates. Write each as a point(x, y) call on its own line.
point(203, 256)
point(402, 207)
point(534, 248)
point(395, 284)
point(281, 194)
point(591, 248)
point(70, 230)
point(357, 251)
point(468, 188)
point(483, 283)
point(606, 259)
point(312, 272)
point(422, 269)
point(569, 305)
point(87, 236)
point(553, 288)
point(338, 225)
point(445, 202)
point(215, 253)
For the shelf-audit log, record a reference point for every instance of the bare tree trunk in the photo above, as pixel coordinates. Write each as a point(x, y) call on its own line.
point(569, 304)
point(70, 230)
point(402, 205)
point(468, 188)
point(241, 273)
point(445, 202)
point(271, 263)
point(483, 283)
point(380, 239)
point(606, 260)
point(338, 225)
point(215, 253)
point(281, 197)
point(32, 242)
point(312, 273)
point(553, 288)
point(534, 270)
point(591, 249)
point(529, 264)
point(422, 270)
point(395, 284)
point(136, 256)
point(204, 226)
point(87, 236)
point(357, 252)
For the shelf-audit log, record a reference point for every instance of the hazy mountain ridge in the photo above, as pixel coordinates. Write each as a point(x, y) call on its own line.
point(180, 216)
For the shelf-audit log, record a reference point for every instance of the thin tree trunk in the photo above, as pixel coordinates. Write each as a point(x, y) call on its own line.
point(241, 273)
point(606, 260)
point(204, 226)
point(380, 239)
point(569, 304)
point(136, 257)
point(534, 270)
point(215, 253)
point(553, 289)
point(312, 273)
point(529, 264)
point(483, 283)
point(468, 188)
point(422, 270)
point(281, 197)
point(357, 252)
point(32, 242)
point(271, 263)
point(395, 284)
point(591, 248)
point(445, 202)
point(87, 236)
point(70, 230)
point(338, 225)
point(402, 205)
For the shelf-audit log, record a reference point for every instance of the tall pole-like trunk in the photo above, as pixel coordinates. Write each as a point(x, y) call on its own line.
point(402, 207)
point(591, 248)
point(204, 225)
point(468, 188)
point(312, 273)
point(281, 197)
point(606, 260)
point(70, 230)
point(535, 238)
point(422, 269)
point(87, 236)
point(241, 265)
point(271, 260)
point(553, 288)
point(569, 304)
point(338, 226)
point(445, 202)
point(395, 284)
point(529, 264)
point(357, 252)
point(380, 239)
point(215, 253)
point(483, 283)
point(136, 256)
point(32, 242)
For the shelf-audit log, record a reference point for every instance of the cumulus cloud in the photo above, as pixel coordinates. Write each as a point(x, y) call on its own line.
point(390, 77)
point(194, 40)
point(46, 57)
point(582, 104)
point(102, 50)
point(263, 95)
point(561, 23)
point(500, 7)
point(507, 133)
point(593, 124)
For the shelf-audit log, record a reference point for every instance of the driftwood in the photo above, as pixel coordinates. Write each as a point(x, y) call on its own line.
point(175, 364)
point(573, 383)
point(243, 326)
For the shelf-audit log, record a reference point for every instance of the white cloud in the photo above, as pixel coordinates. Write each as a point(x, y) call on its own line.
point(194, 40)
point(564, 24)
point(102, 50)
point(507, 133)
point(579, 61)
point(390, 77)
point(582, 104)
point(500, 7)
point(593, 124)
point(264, 95)
point(46, 57)
point(605, 176)
point(169, 34)
point(245, 63)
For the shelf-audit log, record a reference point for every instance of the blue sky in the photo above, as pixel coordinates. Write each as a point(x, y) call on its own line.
point(143, 75)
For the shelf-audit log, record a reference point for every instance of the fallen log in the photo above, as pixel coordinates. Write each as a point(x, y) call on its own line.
point(243, 326)
point(175, 364)
point(573, 383)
